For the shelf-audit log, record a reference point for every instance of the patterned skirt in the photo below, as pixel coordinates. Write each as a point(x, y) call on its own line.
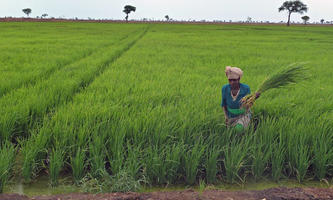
point(243, 120)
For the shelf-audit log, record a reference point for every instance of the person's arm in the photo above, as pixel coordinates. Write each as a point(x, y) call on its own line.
point(258, 95)
point(224, 105)
point(226, 115)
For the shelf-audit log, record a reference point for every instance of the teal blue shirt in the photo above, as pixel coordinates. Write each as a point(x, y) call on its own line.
point(228, 101)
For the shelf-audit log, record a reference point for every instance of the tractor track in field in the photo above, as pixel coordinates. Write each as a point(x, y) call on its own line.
point(281, 193)
point(109, 62)
point(124, 46)
point(84, 84)
point(48, 73)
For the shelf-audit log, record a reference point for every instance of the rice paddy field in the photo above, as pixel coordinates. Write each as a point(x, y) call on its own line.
point(140, 104)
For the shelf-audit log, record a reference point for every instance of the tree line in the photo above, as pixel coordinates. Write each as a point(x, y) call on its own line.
point(295, 6)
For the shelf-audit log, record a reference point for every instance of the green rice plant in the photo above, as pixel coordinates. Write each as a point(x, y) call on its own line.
point(211, 162)
point(7, 155)
point(302, 162)
point(293, 74)
point(29, 162)
point(78, 165)
point(299, 154)
point(133, 162)
point(6, 127)
point(115, 148)
point(97, 155)
point(163, 163)
point(55, 165)
point(322, 152)
point(260, 156)
point(34, 152)
point(278, 159)
point(235, 154)
point(202, 186)
point(172, 164)
point(153, 165)
point(192, 159)
point(261, 150)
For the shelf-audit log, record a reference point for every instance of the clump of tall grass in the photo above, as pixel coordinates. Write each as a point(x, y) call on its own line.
point(260, 156)
point(7, 154)
point(78, 165)
point(192, 160)
point(293, 74)
point(154, 167)
point(115, 149)
point(162, 163)
point(235, 154)
point(211, 162)
point(96, 155)
point(33, 152)
point(262, 147)
point(277, 160)
point(133, 160)
point(29, 162)
point(173, 161)
point(56, 164)
point(120, 182)
point(299, 153)
point(322, 151)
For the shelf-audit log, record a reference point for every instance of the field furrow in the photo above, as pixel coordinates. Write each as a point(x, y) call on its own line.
point(37, 55)
point(26, 106)
point(46, 73)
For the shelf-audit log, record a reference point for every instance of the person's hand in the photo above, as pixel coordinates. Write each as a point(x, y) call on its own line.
point(257, 95)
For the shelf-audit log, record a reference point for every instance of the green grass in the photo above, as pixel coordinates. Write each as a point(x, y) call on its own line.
point(7, 155)
point(78, 164)
point(145, 105)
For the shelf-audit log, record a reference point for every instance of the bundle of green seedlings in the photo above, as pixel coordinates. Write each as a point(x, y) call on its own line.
point(293, 74)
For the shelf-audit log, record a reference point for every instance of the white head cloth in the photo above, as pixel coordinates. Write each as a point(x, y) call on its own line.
point(233, 72)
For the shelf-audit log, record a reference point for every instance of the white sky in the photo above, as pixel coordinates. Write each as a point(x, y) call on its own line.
point(258, 10)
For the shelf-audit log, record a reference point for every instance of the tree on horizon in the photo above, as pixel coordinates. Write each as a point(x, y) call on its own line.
point(305, 19)
point(167, 17)
point(44, 15)
point(322, 21)
point(27, 11)
point(127, 10)
point(293, 7)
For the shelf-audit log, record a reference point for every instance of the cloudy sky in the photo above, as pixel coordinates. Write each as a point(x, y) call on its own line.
point(258, 10)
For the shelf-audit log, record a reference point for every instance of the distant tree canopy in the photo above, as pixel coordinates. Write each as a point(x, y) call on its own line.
point(128, 9)
point(27, 11)
point(293, 7)
point(44, 15)
point(305, 19)
point(167, 17)
point(322, 21)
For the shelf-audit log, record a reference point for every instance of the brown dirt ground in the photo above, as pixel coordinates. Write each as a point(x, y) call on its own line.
point(281, 193)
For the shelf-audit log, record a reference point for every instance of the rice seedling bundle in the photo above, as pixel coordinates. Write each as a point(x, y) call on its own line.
point(290, 75)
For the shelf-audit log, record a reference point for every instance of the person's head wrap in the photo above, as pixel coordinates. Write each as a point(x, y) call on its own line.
point(233, 72)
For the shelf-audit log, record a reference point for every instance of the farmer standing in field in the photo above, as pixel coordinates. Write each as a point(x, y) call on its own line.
point(235, 115)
